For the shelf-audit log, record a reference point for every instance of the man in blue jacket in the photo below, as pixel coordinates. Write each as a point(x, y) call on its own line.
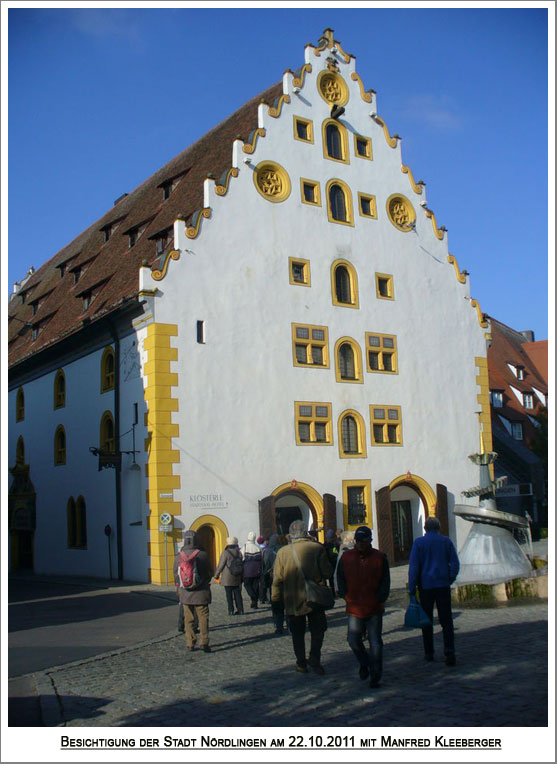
point(433, 567)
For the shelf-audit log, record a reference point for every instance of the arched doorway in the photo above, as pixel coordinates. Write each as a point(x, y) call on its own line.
point(207, 538)
point(297, 501)
point(402, 508)
point(212, 533)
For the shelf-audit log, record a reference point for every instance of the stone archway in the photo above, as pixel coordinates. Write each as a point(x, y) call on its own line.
point(213, 533)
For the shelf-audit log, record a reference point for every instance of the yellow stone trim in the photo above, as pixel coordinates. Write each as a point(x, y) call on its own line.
point(416, 187)
point(486, 433)
point(159, 446)
point(400, 212)
point(307, 271)
point(326, 41)
point(360, 424)
point(365, 94)
point(314, 498)
point(366, 485)
point(358, 368)
point(222, 188)
point(159, 273)
point(347, 199)
point(315, 185)
point(332, 88)
point(272, 181)
point(249, 146)
point(148, 292)
point(430, 214)
point(193, 229)
point(481, 318)
point(219, 528)
point(392, 141)
point(353, 276)
point(423, 487)
point(459, 275)
point(274, 111)
point(345, 159)
point(298, 82)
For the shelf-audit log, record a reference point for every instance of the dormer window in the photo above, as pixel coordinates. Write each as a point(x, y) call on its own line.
point(86, 301)
point(520, 372)
point(161, 244)
point(166, 190)
point(35, 333)
point(34, 306)
point(497, 399)
point(76, 275)
point(107, 231)
point(132, 237)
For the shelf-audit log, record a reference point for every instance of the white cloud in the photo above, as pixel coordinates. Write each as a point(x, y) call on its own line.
point(437, 112)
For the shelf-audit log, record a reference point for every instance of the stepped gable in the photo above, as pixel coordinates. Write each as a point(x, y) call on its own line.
point(109, 270)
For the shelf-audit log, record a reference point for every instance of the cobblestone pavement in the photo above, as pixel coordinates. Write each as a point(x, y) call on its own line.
point(248, 680)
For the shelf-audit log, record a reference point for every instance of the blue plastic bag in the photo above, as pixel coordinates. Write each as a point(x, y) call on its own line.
point(415, 616)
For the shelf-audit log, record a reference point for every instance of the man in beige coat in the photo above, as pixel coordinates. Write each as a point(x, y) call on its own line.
point(289, 585)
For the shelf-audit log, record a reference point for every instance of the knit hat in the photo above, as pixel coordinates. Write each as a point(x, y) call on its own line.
point(251, 536)
point(363, 533)
point(260, 539)
point(231, 541)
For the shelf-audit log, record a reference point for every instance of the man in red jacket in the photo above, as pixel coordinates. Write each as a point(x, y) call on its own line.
point(364, 581)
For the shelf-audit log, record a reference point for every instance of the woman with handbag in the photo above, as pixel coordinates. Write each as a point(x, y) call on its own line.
point(300, 566)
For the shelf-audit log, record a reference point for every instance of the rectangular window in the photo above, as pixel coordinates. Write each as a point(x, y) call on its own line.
point(310, 192)
point(497, 399)
point(362, 147)
point(299, 271)
point(303, 129)
point(516, 430)
point(381, 353)
point(133, 237)
point(368, 208)
point(528, 400)
point(201, 332)
point(386, 425)
point(520, 372)
point(313, 423)
point(356, 499)
point(384, 286)
point(310, 345)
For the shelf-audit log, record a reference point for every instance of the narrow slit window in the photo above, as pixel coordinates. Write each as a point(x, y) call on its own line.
point(200, 329)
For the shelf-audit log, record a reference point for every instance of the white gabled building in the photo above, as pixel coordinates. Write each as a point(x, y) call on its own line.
point(271, 326)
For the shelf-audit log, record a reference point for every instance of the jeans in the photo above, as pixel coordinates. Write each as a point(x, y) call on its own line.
point(317, 623)
point(357, 628)
point(440, 597)
point(202, 612)
point(234, 597)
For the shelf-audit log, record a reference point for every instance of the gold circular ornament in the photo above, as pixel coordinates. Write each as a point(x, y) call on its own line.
point(332, 88)
point(272, 181)
point(401, 213)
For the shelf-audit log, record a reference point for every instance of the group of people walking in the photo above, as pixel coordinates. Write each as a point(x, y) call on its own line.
point(347, 563)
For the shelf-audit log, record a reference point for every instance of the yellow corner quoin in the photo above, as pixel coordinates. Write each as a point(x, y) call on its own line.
point(159, 273)
point(460, 276)
point(416, 187)
point(482, 380)
point(159, 446)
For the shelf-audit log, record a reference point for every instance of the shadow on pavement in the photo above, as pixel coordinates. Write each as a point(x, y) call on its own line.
point(491, 686)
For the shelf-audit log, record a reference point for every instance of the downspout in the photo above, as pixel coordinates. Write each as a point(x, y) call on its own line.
point(117, 475)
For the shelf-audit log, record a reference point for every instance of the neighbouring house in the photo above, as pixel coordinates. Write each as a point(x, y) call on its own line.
point(270, 327)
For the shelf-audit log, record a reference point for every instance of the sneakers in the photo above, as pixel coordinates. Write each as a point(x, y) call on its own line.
point(450, 659)
point(364, 672)
point(316, 666)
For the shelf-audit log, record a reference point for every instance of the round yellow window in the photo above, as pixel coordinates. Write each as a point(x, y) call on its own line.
point(333, 89)
point(272, 181)
point(401, 213)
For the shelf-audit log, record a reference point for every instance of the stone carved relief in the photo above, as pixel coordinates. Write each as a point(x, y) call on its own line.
point(400, 211)
point(272, 181)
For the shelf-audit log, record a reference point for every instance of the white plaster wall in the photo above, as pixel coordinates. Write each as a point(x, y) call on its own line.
point(237, 391)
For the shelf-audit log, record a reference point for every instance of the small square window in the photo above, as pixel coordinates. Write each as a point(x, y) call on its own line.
point(362, 147)
point(367, 206)
point(299, 271)
point(528, 400)
point(381, 353)
point(313, 423)
point(497, 399)
point(310, 192)
point(303, 129)
point(386, 426)
point(384, 286)
point(516, 430)
point(310, 352)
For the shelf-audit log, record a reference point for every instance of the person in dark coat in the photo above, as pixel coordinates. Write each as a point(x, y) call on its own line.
point(229, 562)
point(269, 556)
point(433, 567)
point(195, 600)
point(364, 581)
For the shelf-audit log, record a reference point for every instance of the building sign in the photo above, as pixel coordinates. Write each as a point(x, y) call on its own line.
point(204, 501)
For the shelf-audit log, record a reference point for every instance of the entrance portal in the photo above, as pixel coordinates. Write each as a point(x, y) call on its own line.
point(207, 538)
point(402, 530)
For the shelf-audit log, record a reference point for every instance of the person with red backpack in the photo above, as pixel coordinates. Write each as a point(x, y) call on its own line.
point(192, 574)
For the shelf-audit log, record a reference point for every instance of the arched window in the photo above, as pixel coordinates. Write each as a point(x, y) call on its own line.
point(344, 284)
point(346, 361)
point(20, 451)
point(107, 433)
point(77, 523)
point(59, 446)
point(107, 370)
point(335, 141)
point(20, 406)
point(351, 435)
point(59, 390)
point(339, 203)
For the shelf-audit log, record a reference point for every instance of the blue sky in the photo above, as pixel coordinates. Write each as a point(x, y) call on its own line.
point(100, 98)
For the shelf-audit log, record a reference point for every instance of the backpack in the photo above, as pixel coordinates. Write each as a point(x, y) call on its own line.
point(188, 573)
point(236, 566)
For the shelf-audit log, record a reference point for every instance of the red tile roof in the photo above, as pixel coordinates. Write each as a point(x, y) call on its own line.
point(537, 351)
point(113, 265)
